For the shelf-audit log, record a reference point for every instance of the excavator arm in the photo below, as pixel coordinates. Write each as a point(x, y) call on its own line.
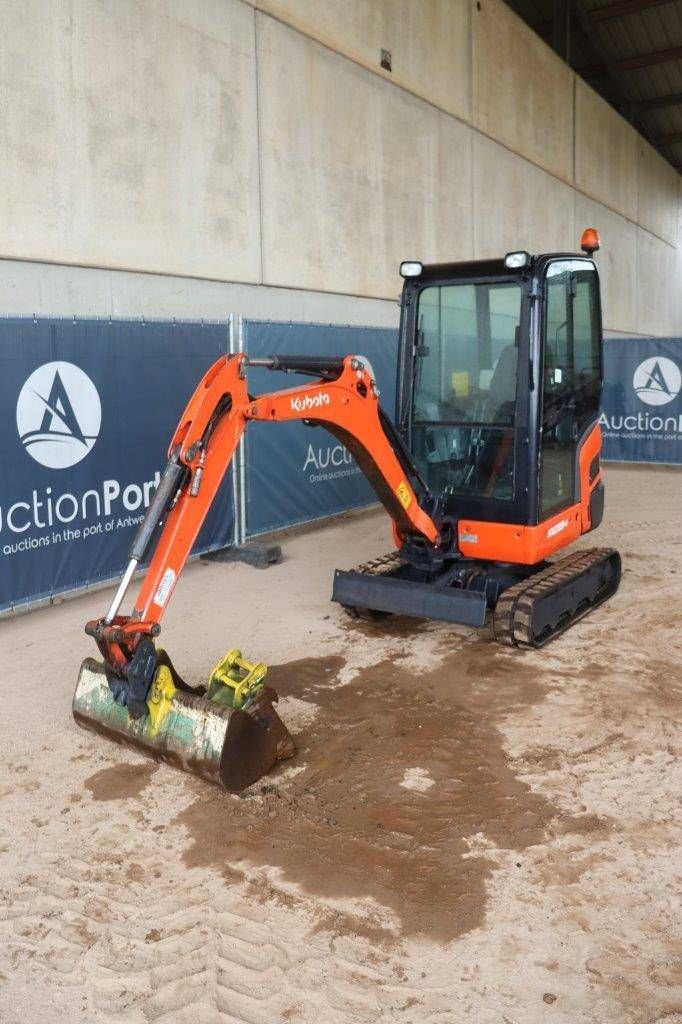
point(344, 399)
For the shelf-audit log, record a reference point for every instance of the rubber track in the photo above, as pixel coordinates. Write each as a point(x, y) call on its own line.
point(513, 617)
point(384, 565)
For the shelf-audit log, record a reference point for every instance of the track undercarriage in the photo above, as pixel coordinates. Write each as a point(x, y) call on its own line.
point(526, 606)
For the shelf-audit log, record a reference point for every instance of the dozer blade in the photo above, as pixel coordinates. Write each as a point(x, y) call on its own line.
point(221, 744)
point(382, 586)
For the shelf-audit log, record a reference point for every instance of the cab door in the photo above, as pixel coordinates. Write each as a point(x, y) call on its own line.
point(571, 377)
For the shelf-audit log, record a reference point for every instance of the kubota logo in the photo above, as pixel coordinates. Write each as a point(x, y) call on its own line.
point(59, 415)
point(310, 402)
point(657, 380)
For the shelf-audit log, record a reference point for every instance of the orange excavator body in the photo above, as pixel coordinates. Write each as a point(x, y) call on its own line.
point(484, 478)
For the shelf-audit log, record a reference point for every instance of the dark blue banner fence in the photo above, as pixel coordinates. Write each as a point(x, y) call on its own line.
point(296, 473)
point(87, 409)
point(641, 417)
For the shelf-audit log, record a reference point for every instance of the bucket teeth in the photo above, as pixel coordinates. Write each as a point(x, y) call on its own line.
point(232, 747)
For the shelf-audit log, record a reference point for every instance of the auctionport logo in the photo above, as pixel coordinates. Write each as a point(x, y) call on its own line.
point(330, 463)
point(59, 415)
point(657, 380)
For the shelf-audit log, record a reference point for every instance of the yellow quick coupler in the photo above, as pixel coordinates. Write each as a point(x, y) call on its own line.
point(235, 681)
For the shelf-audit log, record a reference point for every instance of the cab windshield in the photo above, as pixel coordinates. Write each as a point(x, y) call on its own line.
point(465, 387)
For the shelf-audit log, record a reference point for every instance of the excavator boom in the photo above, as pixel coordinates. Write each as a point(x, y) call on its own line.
point(135, 693)
point(206, 439)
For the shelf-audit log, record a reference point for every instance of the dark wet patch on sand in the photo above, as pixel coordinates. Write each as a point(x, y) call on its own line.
point(300, 678)
point(120, 781)
point(339, 924)
point(566, 867)
point(383, 625)
point(327, 920)
point(346, 827)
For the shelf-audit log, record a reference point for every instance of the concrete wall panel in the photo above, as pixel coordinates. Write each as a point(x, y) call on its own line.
point(617, 262)
point(127, 136)
point(523, 92)
point(356, 175)
point(429, 41)
point(605, 153)
point(657, 286)
point(517, 205)
point(51, 289)
point(658, 194)
point(130, 137)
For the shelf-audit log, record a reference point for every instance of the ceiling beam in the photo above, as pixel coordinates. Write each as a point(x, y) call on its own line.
point(608, 64)
point(641, 60)
point(597, 14)
point(657, 102)
point(647, 60)
point(617, 10)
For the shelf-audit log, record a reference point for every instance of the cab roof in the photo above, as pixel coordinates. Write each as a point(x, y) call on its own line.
point(469, 268)
point(483, 268)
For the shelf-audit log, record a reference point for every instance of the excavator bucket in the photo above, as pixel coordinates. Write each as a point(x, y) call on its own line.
point(229, 734)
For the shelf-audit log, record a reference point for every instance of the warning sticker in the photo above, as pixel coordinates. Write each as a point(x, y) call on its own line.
point(164, 588)
point(403, 493)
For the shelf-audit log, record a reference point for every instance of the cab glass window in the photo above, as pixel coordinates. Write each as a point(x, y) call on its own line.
point(464, 397)
point(571, 375)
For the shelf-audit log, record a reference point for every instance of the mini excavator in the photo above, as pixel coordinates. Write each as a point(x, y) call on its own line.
point(491, 467)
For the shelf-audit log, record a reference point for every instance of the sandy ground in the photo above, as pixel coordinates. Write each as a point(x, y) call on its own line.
point(466, 834)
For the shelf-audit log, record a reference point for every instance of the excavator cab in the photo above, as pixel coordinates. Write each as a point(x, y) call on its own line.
point(500, 381)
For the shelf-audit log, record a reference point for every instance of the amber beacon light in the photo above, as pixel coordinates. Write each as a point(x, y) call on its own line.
point(589, 241)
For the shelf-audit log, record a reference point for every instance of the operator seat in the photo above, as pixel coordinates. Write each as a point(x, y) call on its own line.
point(502, 391)
point(495, 457)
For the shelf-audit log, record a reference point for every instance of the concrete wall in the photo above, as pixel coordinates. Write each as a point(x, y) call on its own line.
point(605, 153)
point(358, 161)
point(430, 41)
point(523, 92)
point(127, 135)
point(252, 156)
